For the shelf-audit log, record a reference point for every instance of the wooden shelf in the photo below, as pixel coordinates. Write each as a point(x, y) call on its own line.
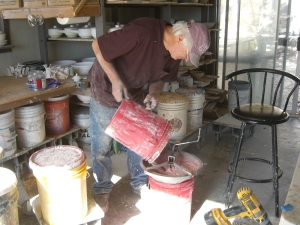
point(52, 12)
point(6, 48)
point(71, 39)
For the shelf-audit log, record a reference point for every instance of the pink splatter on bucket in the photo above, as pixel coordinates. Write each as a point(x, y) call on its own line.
point(140, 130)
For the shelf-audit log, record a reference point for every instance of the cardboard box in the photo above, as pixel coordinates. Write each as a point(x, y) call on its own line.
point(71, 2)
point(88, 2)
point(60, 2)
point(34, 3)
point(9, 4)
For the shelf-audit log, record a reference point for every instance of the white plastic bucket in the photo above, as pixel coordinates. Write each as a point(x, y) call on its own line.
point(8, 197)
point(194, 121)
point(243, 90)
point(8, 132)
point(196, 97)
point(173, 107)
point(81, 118)
point(30, 124)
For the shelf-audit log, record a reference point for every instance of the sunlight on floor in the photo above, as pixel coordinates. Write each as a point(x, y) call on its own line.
point(115, 179)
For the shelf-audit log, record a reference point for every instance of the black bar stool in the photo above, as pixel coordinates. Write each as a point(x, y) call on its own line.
point(268, 109)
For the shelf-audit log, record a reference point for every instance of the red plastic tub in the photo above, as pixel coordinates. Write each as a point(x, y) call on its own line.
point(140, 130)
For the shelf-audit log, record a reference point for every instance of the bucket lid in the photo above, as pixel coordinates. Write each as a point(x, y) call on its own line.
point(58, 98)
point(32, 106)
point(172, 98)
point(8, 180)
point(61, 156)
point(7, 113)
point(190, 91)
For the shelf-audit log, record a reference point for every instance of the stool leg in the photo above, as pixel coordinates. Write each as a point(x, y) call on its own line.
point(275, 168)
point(235, 162)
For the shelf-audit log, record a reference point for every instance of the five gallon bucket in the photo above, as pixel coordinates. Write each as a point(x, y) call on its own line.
point(61, 180)
point(9, 196)
point(57, 115)
point(196, 98)
point(243, 90)
point(8, 132)
point(30, 124)
point(173, 107)
point(140, 130)
point(170, 203)
point(81, 117)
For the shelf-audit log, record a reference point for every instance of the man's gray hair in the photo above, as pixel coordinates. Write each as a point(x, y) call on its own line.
point(181, 28)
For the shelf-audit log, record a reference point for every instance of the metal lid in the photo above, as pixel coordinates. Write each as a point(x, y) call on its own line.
point(61, 156)
point(172, 98)
point(8, 180)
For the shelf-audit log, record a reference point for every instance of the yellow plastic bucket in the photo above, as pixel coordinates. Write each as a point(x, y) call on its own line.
point(61, 179)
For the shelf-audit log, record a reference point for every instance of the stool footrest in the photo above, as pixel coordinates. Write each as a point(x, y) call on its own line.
point(280, 172)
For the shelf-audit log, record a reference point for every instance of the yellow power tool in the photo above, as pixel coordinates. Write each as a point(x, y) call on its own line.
point(250, 208)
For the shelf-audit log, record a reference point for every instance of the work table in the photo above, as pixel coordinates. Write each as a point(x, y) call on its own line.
point(14, 92)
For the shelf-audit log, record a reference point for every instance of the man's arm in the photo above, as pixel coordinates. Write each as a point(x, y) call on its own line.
point(155, 89)
point(118, 88)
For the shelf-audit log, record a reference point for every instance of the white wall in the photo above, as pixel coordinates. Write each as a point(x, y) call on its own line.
point(25, 40)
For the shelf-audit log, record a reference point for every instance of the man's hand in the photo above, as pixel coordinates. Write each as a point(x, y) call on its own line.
point(119, 91)
point(150, 102)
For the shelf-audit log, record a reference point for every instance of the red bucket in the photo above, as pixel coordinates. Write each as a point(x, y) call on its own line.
point(140, 130)
point(57, 115)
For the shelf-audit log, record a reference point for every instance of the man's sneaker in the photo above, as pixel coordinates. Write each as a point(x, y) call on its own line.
point(102, 200)
point(138, 191)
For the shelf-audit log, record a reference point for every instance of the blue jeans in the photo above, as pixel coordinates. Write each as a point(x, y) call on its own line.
point(100, 117)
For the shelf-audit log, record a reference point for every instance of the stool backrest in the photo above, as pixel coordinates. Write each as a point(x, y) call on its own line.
point(265, 74)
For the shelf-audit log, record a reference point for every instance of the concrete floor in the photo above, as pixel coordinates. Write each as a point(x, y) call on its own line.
point(210, 184)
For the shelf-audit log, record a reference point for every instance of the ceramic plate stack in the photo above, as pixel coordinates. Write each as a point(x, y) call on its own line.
point(3, 41)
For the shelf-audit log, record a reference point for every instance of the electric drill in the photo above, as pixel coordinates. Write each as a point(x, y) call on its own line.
point(251, 208)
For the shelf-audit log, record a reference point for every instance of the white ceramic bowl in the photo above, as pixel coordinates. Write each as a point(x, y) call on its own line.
point(55, 32)
point(84, 32)
point(2, 36)
point(63, 63)
point(197, 74)
point(84, 99)
point(68, 32)
point(82, 68)
point(89, 59)
point(209, 25)
point(188, 63)
point(93, 32)
point(2, 43)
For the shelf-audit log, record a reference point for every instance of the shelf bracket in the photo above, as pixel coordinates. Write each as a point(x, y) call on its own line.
point(78, 7)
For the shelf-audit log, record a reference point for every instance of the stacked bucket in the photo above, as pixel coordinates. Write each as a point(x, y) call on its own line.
point(196, 97)
point(169, 193)
point(28, 125)
point(184, 109)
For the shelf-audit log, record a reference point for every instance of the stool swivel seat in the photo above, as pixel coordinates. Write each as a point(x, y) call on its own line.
point(269, 109)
